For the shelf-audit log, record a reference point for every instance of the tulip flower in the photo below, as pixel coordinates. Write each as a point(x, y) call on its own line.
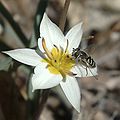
point(55, 65)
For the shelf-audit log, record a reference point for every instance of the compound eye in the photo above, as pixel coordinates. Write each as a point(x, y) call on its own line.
point(73, 53)
point(73, 50)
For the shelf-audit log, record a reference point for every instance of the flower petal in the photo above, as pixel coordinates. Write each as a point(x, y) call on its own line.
point(40, 45)
point(43, 79)
point(51, 33)
point(74, 36)
point(26, 56)
point(72, 91)
point(82, 72)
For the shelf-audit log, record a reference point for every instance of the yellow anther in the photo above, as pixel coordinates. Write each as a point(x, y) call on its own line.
point(45, 49)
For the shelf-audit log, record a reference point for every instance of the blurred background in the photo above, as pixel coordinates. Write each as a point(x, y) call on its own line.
point(19, 28)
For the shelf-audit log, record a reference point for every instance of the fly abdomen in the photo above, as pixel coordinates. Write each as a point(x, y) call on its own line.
point(91, 62)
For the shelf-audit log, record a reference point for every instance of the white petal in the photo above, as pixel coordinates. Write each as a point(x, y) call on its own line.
point(51, 33)
point(40, 44)
point(26, 56)
point(43, 79)
point(72, 91)
point(82, 72)
point(74, 36)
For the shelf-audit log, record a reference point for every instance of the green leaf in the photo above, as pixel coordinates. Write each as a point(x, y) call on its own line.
point(6, 63)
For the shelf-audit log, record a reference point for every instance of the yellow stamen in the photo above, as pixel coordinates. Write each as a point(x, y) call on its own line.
point(59, 61)
point(56, 48)
point(66, 46)
point(45, 49)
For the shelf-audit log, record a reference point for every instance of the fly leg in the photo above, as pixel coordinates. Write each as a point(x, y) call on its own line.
point(96, 78)
point(86, 70)
point(85, 66)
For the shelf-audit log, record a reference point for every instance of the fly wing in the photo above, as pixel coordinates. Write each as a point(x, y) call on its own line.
point(83, 45)
point(90, 49)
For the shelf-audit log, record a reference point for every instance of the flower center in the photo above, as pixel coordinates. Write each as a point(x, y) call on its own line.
point(59, 60)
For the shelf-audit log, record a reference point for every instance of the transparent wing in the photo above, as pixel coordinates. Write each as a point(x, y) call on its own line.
point(83, 45)
point(90, 49)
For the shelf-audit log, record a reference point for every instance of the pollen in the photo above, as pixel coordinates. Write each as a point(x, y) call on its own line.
point(59, 61)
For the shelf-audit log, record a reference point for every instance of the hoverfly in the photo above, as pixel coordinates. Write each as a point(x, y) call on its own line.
point(84, 59)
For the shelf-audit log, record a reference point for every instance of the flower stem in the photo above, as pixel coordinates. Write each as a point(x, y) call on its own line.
point(42, 103)
point(63, 15)
point(38, 17)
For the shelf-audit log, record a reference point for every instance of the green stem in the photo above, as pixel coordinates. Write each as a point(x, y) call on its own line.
point(63, 15)
point(39, 14)
point(42, 103)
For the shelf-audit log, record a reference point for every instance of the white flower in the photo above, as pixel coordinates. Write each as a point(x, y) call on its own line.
point(57, 67)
